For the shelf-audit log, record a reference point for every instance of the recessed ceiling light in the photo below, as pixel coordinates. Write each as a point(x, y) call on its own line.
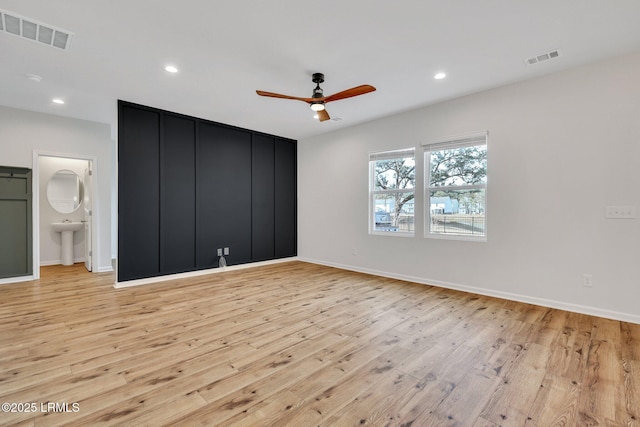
point(57, 101)
point(171, 68)
point(439, 76)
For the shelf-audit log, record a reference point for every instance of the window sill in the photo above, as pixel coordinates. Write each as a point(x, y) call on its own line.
point(455, 237)
point(392, 233)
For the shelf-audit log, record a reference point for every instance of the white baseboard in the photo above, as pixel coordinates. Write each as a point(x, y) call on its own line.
point(103, 269)
point(59, 262)
point(197, 273)
point(592, 311)
point(17, 279)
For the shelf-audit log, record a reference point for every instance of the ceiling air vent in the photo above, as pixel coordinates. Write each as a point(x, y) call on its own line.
point(35, 31)
point(543, 57)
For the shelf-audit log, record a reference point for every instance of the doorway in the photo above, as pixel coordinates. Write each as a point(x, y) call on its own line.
point(64, 193)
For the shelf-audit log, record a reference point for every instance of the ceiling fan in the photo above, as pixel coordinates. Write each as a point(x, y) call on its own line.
point(318, 100)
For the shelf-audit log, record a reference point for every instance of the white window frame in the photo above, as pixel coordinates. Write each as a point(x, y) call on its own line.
point(471, 140)
point(388, 155)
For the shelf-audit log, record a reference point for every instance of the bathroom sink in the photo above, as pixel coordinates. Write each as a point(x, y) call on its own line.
point(66, 229)
point(67, 226)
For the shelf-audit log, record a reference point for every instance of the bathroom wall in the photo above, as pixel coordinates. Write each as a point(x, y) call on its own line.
point(23, 132)
point(49, 239)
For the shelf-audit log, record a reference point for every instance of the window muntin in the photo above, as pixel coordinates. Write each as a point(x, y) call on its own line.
point(392, 186)
point(456, 184)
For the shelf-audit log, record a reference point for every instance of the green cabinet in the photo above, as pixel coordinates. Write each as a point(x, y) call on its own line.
point(16, 243)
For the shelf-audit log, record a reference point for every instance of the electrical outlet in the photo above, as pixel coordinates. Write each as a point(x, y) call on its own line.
point(587, 280)
point(620, 212)
point(219, 251)
point(354, 251)
point(226, 251)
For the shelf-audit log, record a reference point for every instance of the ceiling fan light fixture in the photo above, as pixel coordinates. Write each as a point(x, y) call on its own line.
point(317, 100)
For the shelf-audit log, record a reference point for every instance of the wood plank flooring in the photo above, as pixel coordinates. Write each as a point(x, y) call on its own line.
point(298, 344)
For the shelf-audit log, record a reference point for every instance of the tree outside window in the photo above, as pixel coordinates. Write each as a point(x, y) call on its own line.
point(456, 188)
point(393, 175)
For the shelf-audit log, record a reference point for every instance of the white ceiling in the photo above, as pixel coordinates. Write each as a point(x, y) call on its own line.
point(227, 49)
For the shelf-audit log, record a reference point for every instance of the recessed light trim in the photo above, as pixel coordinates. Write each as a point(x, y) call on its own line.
point(440, 76)
point(171, 69)
point(58, 101)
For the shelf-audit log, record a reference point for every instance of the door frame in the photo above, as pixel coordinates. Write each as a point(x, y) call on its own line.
point(36, 204)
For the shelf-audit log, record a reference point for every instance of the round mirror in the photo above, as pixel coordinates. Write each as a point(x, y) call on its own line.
point(64, 191)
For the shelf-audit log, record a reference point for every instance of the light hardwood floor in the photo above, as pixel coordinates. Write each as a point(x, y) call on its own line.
point(297, 344)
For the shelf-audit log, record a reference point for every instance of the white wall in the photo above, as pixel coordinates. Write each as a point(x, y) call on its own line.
point(23, 132)
point(560, 149)
point(50, 241)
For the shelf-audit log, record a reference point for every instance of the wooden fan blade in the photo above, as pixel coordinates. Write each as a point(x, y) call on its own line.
point(354, 91)
point(278, 95)
point(323, 115)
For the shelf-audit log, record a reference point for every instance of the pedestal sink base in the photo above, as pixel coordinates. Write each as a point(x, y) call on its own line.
point(66, 249)
point(66, 230)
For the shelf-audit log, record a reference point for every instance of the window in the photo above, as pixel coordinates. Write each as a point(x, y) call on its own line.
point(391, 192)
point(456, 188)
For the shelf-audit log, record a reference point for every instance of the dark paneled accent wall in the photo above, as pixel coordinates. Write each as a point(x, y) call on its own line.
point(138, 193)
point(187, 187)
point(263, 203)
point(178, 195)
point(285, 205)
point(223, 182)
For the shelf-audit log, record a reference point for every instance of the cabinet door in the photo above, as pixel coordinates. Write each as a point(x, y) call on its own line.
point(285, 198)
point(262, 198)
point(16, 255)
point(138, 193)
point(223, 194)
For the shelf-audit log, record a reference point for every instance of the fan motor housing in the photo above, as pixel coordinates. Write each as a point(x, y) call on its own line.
point(317, 78)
